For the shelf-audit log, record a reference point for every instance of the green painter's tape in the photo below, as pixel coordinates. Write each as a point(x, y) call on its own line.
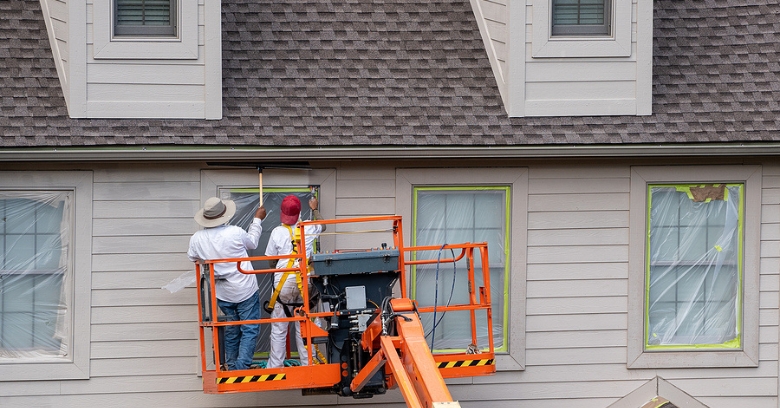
point(507, 228)
point(735, 343)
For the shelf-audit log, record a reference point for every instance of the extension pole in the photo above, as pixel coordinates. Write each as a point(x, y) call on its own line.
point(260, 184)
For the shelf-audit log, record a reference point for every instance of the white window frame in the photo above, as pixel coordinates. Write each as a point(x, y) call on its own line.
point(641, 176)
point(76, 364)
point(545, 45)
point(517, 179)
point(106, 45)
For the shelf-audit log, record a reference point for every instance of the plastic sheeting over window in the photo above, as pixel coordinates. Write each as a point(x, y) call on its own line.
point(451, 215)
point(247, 201)
point(35, 275)
point(694, 266)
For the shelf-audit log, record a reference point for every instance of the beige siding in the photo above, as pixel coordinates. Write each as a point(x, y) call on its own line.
point(364, 191)
point(543, 76)
point(144, 340)
point(142, 336)
point(577, 288)
point(154, 79)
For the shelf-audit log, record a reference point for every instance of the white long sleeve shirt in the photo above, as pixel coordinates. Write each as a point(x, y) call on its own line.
point(228, 241)
point(280, 243)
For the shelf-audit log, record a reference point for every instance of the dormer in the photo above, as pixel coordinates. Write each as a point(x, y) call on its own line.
point(138, 58)
point(570, 57)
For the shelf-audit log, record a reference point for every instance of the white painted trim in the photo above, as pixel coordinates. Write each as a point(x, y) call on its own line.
point(500, 76)
point(644, 58)
point(55, 49)
point(514, 101)
point(77, 65)
point(77, 365)
point(657, 387)
point(544, 45)
point(517, 179)
point(106, 46)
point(146, 109)
point(213, 59)
point(640, 177)
point(580, 107)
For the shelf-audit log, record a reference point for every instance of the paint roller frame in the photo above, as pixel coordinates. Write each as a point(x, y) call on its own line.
point(267, 165)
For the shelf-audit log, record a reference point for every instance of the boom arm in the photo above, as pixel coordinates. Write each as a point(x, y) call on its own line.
point(408, 360)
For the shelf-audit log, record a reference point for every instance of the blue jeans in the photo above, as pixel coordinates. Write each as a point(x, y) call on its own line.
point(240, 340)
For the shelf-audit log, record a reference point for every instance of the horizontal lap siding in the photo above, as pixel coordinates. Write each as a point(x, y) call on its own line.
point(577, 269)
point(143, 83)
point(144, 348)
point(361, 192)
point(145, 340)
point(577, 302)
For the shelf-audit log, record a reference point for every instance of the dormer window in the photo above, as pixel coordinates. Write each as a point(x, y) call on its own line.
point(581, 18)
point(145, 18)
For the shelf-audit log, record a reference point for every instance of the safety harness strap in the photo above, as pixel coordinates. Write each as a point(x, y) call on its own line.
point(295, 238)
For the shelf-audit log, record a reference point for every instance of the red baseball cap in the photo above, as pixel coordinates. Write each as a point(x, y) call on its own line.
point(291, 210)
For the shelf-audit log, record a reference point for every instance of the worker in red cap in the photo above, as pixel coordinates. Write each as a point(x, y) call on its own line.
point(288, 286)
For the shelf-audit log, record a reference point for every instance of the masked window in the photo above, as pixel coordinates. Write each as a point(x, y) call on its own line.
point(34, 275)
point(451, 215)
point(694, 266)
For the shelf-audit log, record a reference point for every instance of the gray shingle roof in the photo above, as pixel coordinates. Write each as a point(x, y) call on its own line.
point(409, 73)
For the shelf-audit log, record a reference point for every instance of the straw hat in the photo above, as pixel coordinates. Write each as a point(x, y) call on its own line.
point(215, 212)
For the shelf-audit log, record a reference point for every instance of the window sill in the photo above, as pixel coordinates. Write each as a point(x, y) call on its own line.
point(692, 359)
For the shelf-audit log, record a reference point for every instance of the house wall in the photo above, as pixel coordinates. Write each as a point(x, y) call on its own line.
point(570, 76)
point(144, 339)
point(125, 77)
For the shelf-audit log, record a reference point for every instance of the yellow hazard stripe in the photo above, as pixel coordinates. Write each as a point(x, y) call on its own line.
point(464, 363)
point(251, 378)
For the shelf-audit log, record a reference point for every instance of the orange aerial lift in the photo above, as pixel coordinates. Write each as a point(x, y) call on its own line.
point(364, 321)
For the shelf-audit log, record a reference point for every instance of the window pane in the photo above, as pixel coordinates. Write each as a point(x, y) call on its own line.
point(694, 265)
point(578, 12)
point(143, 12)
point(451, 216)
point(580, 17)
point(33, 313)
point(145, 17)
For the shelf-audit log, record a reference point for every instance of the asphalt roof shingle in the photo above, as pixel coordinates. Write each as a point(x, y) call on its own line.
point(409, 73)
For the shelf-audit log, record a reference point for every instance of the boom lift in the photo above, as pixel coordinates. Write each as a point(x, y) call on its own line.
point(367, 332)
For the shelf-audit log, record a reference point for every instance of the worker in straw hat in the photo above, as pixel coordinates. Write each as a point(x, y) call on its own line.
point(237, 293)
